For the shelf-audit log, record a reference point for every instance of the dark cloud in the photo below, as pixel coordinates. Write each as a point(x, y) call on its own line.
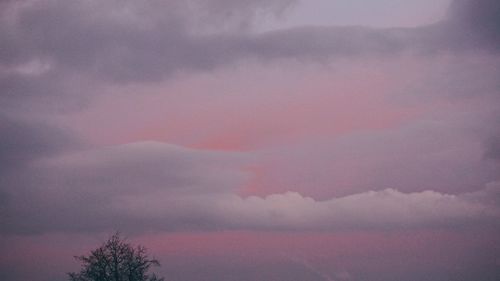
point(24, 141)
point(113, 41)
point(88, 187)
point(21, 144)
point(154, 186)
point(100, 43)
point(139, 45)
point(493, 148)
point(56, 49)
point(59, 54)
point(123, 40)
point(477, 22)
point(323, 42)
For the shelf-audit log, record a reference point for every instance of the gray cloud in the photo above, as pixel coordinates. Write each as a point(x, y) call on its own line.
point(60, 54)
point(23, 141)
point(107, 42)
point(98, 43)
point(375, 209)
point(493, 148)
point(154, 186)
point(477, 22)
point(55, 49)
point(76, 191)
point(139, 43)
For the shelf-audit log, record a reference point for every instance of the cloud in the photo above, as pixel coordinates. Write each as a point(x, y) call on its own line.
point(374, 209)
point(154, 186)
point(477, 22)
point(109, 42)
point(24, 141)
point(493, 148)
point(148, 42)
point(434, 168)
point(21, 143)
point(124, 40)
point(72, 50)
point(82, 186)
point(100, 43)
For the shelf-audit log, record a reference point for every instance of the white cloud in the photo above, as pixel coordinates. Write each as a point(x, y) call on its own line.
point(169, 187)
point(379, 209)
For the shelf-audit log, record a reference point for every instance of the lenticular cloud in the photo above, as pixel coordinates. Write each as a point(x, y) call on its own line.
point(243, 145)
point(164, 187)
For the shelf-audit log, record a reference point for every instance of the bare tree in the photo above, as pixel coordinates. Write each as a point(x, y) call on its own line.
point(116, 260)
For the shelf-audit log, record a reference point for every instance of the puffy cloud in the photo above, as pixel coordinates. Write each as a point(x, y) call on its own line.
point(53, 49)
point(421, 174)
point(292, 211)
point(443, 155)
point(154, 186)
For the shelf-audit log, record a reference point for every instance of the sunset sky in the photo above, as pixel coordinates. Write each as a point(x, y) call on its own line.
point(253, 140)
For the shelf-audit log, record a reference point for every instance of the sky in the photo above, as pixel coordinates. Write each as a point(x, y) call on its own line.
point(252, 139)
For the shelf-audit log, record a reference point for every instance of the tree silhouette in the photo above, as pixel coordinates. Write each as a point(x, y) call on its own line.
point(116, 260)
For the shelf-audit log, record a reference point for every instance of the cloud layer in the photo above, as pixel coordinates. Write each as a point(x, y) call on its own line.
point(78, 50)
point(344, 152)
point(55, 48)
point(155, 186)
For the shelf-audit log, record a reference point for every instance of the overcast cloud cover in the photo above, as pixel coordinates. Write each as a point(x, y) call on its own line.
point(184, 121)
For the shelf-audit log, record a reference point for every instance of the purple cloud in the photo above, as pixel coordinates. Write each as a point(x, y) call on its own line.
point(154, 186)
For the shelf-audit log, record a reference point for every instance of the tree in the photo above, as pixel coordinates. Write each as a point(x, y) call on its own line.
point(116, 260)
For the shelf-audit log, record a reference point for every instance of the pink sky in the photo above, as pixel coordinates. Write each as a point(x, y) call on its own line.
point(253, 139)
